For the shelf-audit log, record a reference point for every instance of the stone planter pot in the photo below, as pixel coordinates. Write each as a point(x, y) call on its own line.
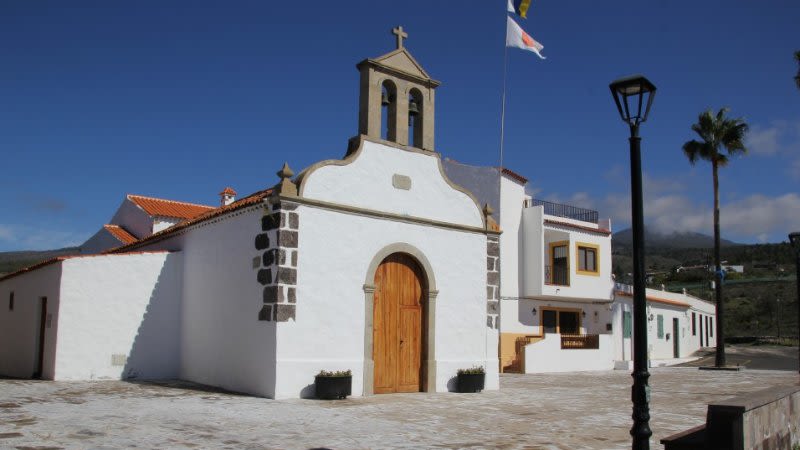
point(471, 382)
point(330, 388)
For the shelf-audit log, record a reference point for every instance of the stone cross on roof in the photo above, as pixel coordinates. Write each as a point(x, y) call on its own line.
point(398, 31)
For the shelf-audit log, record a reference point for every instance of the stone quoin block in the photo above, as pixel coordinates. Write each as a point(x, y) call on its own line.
point(282, 313)
point(294, 259)
point(273, 294)
point(489, 263)
point(490, 321)
point(493, 249)
point(269, 258)
point(287, 239)
point(286, 206)
point(264, 276)
point(493, 278)
point(286, 275)
point(265, 313)
point(282, 257)
point(493, 307)
point(292, 294)
point(262, 241)
point(294, 221)
point(270, 221)
point(489, 292)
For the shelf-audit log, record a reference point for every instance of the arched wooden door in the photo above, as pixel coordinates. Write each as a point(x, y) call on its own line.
point(398, 325)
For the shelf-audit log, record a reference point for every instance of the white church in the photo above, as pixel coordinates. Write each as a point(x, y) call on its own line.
point(383, 262)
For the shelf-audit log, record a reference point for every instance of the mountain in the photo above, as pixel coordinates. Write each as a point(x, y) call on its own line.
point(675, 239)
point(13, 261)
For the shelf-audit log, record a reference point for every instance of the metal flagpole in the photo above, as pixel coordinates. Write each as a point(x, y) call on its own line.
point(503, 111)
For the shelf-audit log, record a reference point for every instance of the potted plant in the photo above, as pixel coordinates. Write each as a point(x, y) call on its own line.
point(331, 385)
point(471, 380)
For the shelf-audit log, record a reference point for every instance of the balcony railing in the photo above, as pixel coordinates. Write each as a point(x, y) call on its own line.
point(566, 211)
point(556, 276)
point(580, 341)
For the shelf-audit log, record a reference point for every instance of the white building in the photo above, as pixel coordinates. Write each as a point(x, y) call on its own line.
point(376, 263)
point(138, 217)
point(559, 307)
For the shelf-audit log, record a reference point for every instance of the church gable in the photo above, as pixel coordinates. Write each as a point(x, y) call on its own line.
point(384, 178)
point(401, 60)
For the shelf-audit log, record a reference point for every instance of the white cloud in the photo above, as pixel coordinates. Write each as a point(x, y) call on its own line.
point(780, 138)
point(763, 141)
point(6, 234)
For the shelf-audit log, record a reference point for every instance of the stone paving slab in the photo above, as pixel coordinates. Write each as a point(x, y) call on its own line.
point(583, 410)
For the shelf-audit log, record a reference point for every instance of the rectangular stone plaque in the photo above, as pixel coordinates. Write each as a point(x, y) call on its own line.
point(401, 182)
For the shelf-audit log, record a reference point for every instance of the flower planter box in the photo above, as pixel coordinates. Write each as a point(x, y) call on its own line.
point(330, 388)
point(471, 382)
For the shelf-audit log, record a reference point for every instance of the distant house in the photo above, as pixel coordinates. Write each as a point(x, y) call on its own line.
point(139, 217)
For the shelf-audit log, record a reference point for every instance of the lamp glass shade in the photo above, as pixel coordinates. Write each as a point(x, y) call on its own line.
point(633, 96)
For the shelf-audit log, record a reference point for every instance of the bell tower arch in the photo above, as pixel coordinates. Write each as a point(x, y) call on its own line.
point(409, 107)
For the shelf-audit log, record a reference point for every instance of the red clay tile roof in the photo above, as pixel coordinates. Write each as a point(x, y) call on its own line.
point(169, 208)
point(250, 200)
point(514, 175)
point(650, 298)
point(120, 233)
point(228, 191)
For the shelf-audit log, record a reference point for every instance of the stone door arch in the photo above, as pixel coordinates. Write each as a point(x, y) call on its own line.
point(399, 332)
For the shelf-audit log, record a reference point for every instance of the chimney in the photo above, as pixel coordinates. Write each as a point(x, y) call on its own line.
point(227, 196)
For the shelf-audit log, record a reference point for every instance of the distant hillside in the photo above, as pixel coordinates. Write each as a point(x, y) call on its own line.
point(13, 261)
point(653, 238)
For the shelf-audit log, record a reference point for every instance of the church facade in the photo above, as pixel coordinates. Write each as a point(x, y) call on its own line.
point(375, 263)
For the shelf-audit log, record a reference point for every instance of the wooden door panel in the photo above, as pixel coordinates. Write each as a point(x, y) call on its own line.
point(397, 325)
point(410, 349)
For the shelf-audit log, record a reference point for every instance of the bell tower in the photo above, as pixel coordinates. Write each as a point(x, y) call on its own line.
point(396, 98)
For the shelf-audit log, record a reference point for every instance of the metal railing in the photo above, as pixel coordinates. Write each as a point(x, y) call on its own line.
point(566, 211)
point(580, 341)
point(556, 276)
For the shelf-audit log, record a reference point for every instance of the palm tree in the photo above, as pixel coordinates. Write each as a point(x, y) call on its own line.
point(797, 77)
point(717, 132)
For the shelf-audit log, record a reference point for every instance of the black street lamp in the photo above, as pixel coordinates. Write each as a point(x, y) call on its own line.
point(794, 239)
point(630, 95)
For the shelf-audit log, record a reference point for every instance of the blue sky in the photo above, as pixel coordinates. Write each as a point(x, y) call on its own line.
point(180, 99)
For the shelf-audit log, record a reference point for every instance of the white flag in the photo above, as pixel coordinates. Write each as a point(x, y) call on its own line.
point(511, 6)
point(517, 37)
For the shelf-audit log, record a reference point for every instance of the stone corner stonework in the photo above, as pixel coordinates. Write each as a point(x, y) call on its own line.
point(492, 281)
point(278, 244)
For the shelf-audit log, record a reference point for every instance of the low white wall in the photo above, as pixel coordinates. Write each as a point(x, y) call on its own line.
point(548, 356)
point(19, 328)
point(119, 317)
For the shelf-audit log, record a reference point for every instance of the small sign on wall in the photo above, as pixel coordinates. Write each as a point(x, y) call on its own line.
point(119, 359)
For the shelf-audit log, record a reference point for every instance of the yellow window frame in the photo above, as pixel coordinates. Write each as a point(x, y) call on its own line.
point(586, 245)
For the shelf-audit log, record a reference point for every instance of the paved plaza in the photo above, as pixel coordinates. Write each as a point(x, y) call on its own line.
point(587, 410)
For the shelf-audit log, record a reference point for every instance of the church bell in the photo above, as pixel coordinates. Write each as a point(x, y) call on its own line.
point(413, 109)
point(386, 99)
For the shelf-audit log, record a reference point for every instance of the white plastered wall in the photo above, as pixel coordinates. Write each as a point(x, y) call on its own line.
point(100, 241)
point(19, 328)
point(662, 348)
point(336, 248)
point(335, 252)
point(223, 342)
point(367, 182)
point(133, 218)
point(119, 317)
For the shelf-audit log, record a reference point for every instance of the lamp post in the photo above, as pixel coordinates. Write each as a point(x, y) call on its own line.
point(631, 94)
point(794, 239)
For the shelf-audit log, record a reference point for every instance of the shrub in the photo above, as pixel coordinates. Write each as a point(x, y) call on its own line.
point(335, 373)
point(472, 370)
